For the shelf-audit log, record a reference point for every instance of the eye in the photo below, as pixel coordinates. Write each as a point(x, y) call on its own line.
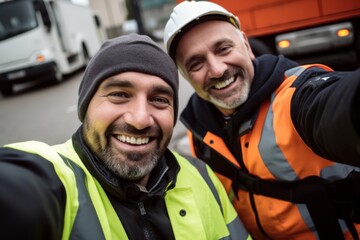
point(161, 102)
point(224, 49)
point(195, 66)
point(118, 96)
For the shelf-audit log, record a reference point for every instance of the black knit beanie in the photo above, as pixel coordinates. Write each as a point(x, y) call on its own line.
point(133, 52)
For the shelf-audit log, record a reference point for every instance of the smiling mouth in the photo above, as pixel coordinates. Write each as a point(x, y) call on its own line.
point(133, 140)
point(224, 84)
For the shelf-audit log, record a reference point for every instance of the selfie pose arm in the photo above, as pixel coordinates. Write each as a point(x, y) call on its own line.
point(326, 113)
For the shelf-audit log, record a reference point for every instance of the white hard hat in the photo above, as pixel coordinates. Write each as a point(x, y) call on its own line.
point(189, 13)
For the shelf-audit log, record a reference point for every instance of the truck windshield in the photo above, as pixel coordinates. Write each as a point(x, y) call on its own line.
point(16, 17)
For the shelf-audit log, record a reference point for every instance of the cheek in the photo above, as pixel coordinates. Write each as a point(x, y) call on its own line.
point(166, 121)
point(196, 80)
point(92, 136)
point(101, 116)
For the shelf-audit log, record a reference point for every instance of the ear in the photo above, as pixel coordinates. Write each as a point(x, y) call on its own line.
point(247, 44)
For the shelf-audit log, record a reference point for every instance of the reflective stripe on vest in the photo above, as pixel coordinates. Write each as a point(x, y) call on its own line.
point(268, 152)
point(86, 202)
point(235, 227)
point(282, 169)
point(89, 213)
point(109, 221)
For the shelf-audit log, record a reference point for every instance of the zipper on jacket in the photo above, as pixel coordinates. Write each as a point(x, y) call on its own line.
point(146, 230)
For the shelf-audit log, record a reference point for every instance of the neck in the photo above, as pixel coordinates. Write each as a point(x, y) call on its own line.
point(143, 181)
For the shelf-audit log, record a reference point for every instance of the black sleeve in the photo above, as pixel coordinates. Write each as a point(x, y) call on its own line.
point(325, 110)
point(32, 198)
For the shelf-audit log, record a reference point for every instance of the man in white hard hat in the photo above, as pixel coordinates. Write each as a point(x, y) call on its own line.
point(283, 138)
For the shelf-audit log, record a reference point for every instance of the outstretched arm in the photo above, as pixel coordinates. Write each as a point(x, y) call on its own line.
point(31, 201)
point(325, 110)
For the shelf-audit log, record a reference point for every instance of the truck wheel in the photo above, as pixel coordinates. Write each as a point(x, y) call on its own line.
point(6, 90)
point(58, 77)
point(258, 47)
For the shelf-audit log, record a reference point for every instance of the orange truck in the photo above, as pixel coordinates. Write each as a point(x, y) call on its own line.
point(307, 31)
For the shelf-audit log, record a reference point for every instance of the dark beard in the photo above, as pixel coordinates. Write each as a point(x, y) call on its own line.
point(144, 162)
point(135, 172)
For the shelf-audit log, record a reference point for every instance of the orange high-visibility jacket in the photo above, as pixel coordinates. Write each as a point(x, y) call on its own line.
point(268, 145)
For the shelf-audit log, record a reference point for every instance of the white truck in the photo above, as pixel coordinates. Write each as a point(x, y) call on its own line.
point(44, 40)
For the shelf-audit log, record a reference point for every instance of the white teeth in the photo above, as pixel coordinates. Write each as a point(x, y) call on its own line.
point(223, 84)
point(133, 140)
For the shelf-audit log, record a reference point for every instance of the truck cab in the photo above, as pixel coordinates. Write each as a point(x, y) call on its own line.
point(307, 31)
point(44, 40)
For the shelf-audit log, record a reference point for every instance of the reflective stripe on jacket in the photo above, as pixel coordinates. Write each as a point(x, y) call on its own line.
point(273, 150)
point(190, 204)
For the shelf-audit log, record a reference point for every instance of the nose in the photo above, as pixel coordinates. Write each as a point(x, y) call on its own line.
point(139, 116)
point(216, 67)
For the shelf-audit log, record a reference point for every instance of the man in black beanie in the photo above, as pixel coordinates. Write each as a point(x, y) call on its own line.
point(128, 53)
point(116, 178)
